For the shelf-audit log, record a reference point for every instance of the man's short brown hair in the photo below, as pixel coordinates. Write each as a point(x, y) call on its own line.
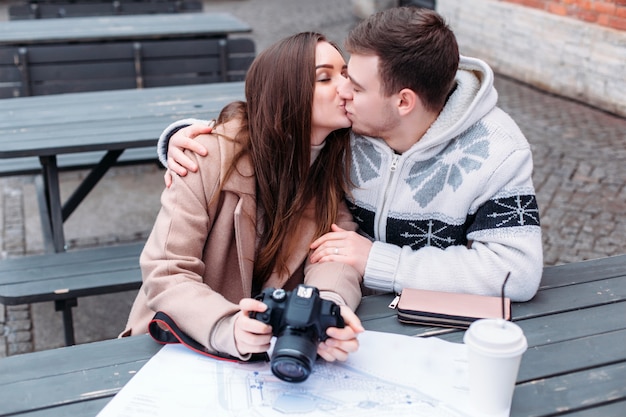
point(416, 50)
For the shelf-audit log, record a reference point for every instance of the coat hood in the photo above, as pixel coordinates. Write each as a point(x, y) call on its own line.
point(473, 97)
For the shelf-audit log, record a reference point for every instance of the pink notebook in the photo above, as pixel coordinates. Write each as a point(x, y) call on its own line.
point(449, 309)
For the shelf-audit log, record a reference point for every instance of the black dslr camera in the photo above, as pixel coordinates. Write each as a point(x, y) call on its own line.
point(299, 320)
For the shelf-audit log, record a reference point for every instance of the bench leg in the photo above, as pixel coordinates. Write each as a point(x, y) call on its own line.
point(46, 227)
point(88, 184)
point(52, 191)
point(68, 321)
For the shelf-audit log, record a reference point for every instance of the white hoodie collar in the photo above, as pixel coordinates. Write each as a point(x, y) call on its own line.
point(473, 97)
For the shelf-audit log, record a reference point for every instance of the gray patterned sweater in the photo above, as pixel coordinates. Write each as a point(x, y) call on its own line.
point(457, 211)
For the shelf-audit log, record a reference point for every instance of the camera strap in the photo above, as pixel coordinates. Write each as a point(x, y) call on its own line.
point(165, 331)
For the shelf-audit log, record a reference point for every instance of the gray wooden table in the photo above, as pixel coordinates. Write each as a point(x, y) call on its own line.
point(47, 127)
point(89, 29)
point(575, 365)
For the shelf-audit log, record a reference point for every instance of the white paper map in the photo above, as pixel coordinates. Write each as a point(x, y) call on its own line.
point(390, 375)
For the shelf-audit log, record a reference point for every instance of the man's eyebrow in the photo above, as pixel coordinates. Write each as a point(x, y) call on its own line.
point(356, 83)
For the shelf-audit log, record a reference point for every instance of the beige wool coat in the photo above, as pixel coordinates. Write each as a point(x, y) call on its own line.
point(198, 260)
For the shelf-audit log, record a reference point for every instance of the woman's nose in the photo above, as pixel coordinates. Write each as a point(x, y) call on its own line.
point(343, 89)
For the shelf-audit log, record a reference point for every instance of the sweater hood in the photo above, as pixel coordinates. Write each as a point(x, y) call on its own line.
point(473, 97)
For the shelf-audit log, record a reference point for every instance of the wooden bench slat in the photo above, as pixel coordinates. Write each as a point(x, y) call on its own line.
point(151, 82)
point(551, 300)
point(36, 364)
point(88, 408)
point(555, 359)
point(540, 397)
point(193, 66)
point(70, 275)
point(82, 73)
point(69, 288)
point(176, 48)
point(79, 87)
point(66, 9)
point(562, 275)
point(63, 68)
point(545, 330)
point(66, 276)
point(51, 108)
point(15, 398)
point(74, 161)
point(609, 409)
point(54, 69)
point(96, 51)
point(79, 256)
point(16, 379)
point(33, 273)
point(122, 28)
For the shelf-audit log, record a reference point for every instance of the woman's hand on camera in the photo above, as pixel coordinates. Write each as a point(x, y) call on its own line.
point(183, 139)
point(251, 335)
point(341, 341)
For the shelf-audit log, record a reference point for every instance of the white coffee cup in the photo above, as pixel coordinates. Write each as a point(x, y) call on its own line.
point(495, 350)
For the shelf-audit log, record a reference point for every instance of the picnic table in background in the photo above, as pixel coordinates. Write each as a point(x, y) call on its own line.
point(103, 53)
point(46, 127)
point(56, 59)
point(47, 9)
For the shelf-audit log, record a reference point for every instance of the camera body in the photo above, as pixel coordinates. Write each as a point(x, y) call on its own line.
point(299, 320)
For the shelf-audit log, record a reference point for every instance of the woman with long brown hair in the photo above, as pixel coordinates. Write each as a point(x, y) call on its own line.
point(272, 182)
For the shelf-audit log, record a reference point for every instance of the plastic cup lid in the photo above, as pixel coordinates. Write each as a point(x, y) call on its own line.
point(496, 337)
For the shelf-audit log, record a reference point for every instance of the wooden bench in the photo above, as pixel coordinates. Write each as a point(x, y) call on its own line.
point(71, 162)
point(63, 277)
point(55, 68)
point(45, 69)
point(34, 9)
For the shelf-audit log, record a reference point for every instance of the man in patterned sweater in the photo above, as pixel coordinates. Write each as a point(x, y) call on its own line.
point(441, 177)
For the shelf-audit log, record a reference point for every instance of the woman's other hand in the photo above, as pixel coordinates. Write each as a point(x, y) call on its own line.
point(341, 245)
point(341, 341)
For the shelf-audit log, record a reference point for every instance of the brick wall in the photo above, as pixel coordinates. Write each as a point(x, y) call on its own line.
point(559, 54)
point(609, 13)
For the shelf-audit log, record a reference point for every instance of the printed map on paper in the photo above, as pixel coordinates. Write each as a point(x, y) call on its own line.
point(390, 375)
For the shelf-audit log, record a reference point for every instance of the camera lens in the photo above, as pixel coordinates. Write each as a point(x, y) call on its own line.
point(293, 357)
point(290, 369)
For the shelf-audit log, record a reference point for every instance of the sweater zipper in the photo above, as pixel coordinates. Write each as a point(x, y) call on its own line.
point(382, 216)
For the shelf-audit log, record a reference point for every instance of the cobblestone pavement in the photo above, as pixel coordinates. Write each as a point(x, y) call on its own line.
point(580, 177)
point(580, 172)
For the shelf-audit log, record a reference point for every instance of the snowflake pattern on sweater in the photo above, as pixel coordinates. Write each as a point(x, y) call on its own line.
point(427, 179)
point(441, 175)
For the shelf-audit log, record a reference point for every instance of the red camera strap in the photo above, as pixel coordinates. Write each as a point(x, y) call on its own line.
point(165, 331)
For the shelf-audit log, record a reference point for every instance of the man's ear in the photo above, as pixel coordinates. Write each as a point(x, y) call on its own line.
point(407, 101)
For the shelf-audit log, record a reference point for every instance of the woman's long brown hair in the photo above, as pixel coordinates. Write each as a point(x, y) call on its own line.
point(277, 122)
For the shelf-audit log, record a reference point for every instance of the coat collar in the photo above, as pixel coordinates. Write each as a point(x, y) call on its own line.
point(242, 183)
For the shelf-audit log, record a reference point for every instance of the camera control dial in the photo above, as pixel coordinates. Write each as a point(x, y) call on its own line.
point(279, 294)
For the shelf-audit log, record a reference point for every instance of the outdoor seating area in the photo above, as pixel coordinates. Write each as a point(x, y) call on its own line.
point(91, 95)
point(86, 89)
point(64, 277)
